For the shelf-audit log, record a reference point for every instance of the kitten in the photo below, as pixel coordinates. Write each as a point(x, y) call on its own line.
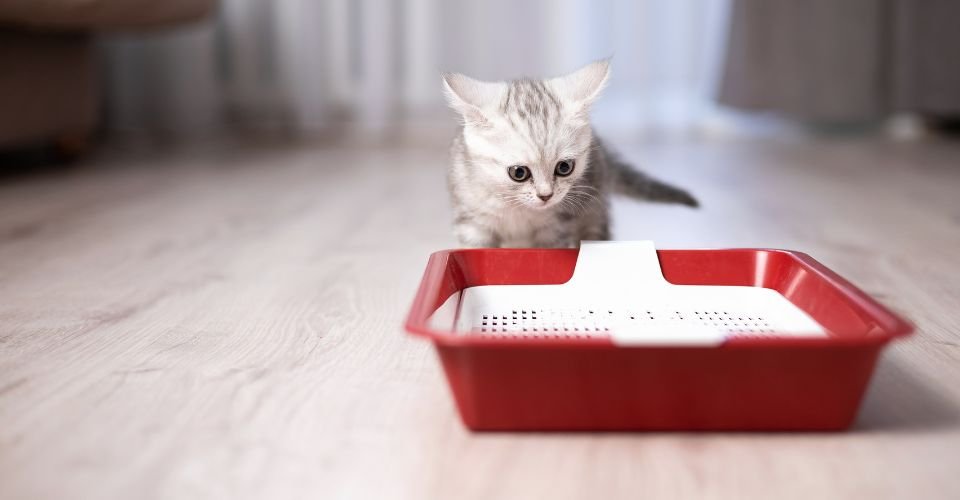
point(527, 169)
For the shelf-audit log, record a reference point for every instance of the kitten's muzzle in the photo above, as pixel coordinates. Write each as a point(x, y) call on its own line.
point(545, 197)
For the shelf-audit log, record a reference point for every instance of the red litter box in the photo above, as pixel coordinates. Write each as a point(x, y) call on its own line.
point(614, 337)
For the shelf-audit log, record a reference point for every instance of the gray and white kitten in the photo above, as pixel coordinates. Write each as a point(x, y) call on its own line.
point(527, 169)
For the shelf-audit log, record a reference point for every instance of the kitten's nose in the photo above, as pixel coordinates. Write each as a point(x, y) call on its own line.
point(545, 197)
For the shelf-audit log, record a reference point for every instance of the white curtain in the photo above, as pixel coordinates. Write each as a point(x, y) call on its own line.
point(370, 67)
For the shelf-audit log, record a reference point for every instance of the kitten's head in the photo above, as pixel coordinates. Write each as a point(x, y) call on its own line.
point(528, 140)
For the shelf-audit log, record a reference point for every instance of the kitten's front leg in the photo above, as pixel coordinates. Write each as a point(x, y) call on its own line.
point(599, 232)
point(474, 235)
point(558, 235)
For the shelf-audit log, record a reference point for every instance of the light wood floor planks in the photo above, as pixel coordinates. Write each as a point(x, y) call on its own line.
point(227, 325)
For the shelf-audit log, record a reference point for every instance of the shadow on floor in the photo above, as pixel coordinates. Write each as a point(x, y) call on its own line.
point(898, 401)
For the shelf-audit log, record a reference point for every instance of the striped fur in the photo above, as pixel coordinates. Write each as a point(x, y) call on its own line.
point(536, 124)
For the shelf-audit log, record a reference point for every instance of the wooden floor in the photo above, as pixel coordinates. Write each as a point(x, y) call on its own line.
point(227, 325)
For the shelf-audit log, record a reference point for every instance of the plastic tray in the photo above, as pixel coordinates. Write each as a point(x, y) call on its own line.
point(589, 383)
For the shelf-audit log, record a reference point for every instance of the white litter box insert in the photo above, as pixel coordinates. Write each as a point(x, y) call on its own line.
point(618, 291)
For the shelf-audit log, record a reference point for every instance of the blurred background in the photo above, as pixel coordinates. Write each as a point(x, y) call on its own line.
point(214, 215)
point(85, 72)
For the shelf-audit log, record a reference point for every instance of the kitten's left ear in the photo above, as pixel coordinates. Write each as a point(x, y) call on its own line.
point(583, 86)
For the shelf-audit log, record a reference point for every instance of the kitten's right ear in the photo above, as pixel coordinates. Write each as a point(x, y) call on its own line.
point(470, 97)
point(580, 88)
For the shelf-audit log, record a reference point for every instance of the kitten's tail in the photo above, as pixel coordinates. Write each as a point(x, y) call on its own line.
point(631, 182)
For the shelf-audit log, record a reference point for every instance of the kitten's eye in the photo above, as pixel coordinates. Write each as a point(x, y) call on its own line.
point(564, 168)
point(519, 173)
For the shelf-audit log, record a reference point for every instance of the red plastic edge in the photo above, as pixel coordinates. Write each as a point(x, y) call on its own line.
point(433, 282)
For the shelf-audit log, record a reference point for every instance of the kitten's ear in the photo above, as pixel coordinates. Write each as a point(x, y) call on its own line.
point(580, 88)
point(471, 98)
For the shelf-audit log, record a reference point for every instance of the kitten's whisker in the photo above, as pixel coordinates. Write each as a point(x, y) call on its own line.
point(585, 201)
point(575, 203)
point(582, 196)
point(511, 200)
point(568, 207)
point(582, 189)
point(589, 196)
